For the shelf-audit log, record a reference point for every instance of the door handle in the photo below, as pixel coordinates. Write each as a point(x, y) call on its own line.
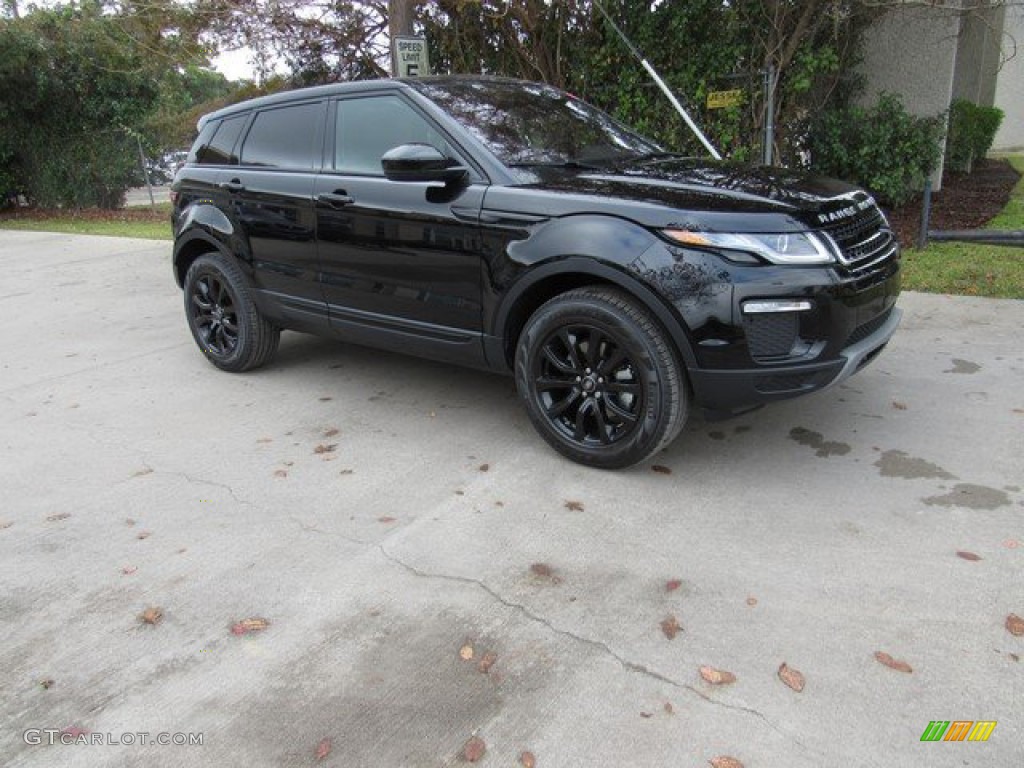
point(337, 199)
point(232, 186)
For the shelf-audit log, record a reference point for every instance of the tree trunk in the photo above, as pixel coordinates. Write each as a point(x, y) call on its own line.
point(400, 15)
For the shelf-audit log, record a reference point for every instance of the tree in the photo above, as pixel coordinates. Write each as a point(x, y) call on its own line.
point(73, 97)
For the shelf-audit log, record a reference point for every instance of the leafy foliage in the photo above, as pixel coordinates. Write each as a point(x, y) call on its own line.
point(70, 99)
point(697, 46)
point(972, 129)
point(883, 148)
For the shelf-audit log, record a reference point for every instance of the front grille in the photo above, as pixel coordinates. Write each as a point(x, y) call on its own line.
point(865, 241)
point(863, 331)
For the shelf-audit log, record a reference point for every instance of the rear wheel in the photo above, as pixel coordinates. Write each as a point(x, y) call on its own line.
point(223, 317)
point(600, 379)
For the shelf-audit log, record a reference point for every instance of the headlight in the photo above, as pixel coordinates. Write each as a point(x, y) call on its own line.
point(784, 248)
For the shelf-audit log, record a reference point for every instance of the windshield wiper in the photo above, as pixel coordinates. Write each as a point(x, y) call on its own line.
point(574, 164)
point(647, 157)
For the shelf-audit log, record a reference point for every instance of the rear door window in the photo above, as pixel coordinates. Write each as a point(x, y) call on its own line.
point(285, 137)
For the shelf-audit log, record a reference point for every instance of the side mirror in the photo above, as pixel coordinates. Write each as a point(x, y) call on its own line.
point(420, 162)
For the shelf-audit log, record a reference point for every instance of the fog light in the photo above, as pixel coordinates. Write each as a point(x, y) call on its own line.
point(776, 305)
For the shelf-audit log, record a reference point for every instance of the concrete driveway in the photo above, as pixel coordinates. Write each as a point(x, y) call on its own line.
point(430, 571)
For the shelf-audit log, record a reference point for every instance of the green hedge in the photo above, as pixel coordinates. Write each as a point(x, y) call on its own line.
point(972, 129)
point(883, 148)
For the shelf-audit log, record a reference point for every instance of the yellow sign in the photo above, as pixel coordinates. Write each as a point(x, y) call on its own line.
point(720, 99)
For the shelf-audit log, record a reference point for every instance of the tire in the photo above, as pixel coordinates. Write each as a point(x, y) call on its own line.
point(600, 379)
point(222, 315)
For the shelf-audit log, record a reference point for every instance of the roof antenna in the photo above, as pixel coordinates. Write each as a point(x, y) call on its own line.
point(661, 83)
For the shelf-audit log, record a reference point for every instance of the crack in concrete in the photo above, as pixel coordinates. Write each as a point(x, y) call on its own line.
point(600, 645)
point(313, 529)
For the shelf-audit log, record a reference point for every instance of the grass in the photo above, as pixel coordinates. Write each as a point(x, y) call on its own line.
point(971, 269)
point(140, 222)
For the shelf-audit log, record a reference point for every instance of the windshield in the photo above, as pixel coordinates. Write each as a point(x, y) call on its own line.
point(528, 124)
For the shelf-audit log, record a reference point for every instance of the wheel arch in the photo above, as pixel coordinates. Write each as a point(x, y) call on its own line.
point(190, 248)
point(544, 282)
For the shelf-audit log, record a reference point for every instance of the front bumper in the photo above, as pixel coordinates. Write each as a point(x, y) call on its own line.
point(739, 390)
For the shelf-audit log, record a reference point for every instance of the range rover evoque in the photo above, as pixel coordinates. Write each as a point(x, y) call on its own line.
point(510, 226)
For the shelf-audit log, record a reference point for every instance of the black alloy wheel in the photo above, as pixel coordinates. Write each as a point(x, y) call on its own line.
point(214, 315)
point(601, 381)
point(587, 385)
point(223, 317)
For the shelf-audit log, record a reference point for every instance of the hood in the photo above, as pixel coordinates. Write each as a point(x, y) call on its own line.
point(710, 196)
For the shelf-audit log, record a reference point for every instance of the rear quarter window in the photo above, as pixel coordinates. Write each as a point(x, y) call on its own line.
point(217, 141)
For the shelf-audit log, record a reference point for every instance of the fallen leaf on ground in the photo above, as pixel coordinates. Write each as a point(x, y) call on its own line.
point(460, 493)
point(143, 535)
point(899, 406)
point(1015, 625)
point(751, 601)
point(183, 550)
point(151, 615)
point(661, 470)
point(5, 524)
point(347, 472)
point(474, 749)
point(574, 506)
point(542, 569)
point(673, 584)
point(47, 684)
point(669, 709)
point(968, 556)
point(142, 472)
point(898, 664)
point(245, 626)
point(670, 626)
point(791, 677)
point(527, 760)
point(128, 570)
point(724, 761)
point(717, 676)
point(466, 652)
point(487, 662)
point(331, 432)
point(323, 749)
point(646, 715)
point(325, 448)
point(499, 503)
point(484, 467)
point(58, 516)
point(386, 519)
point(325, 399)
point(280, 473)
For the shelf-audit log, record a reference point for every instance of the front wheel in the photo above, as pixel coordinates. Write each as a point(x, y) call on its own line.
point(223, 317)
point(600, 379)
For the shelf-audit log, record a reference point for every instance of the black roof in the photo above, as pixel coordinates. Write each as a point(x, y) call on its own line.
point(355, 86)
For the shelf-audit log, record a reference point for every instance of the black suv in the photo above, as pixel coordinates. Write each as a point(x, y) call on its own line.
point(508, 225)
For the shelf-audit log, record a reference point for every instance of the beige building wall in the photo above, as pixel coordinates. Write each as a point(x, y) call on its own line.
point(1009, 90)
point(979, 54)
point(911, 51)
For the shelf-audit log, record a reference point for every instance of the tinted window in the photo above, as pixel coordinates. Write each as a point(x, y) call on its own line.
point(283, 138)
point(525, 123)
point(217, 150)
point(369, 127)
